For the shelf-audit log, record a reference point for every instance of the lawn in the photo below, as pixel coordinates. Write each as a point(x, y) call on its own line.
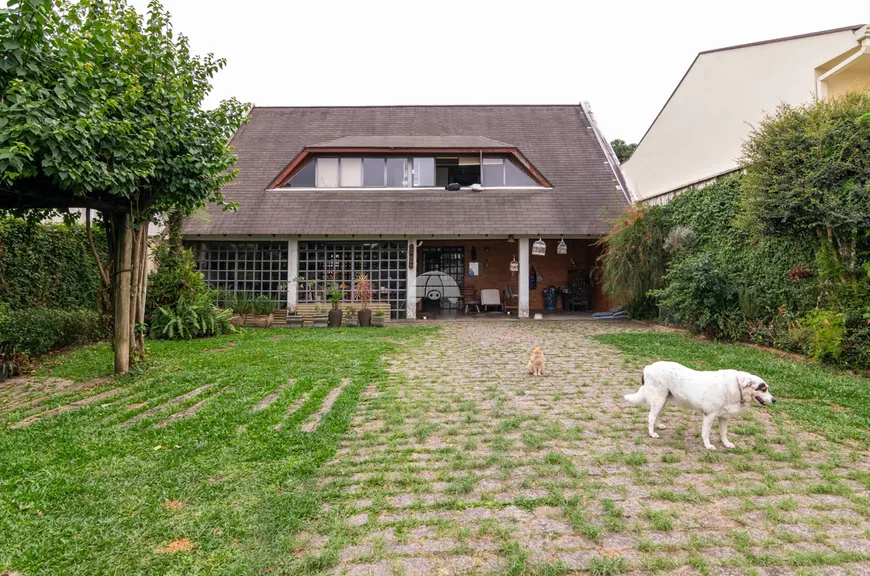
point(116, 486)
point(832, 402)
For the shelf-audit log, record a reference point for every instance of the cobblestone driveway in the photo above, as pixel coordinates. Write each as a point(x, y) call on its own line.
point(464, 463)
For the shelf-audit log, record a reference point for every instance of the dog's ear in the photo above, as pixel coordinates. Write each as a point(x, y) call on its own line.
point(744, 380)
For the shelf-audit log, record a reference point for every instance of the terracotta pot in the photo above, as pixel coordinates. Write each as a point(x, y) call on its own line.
point(295, 321)
point(365, 318)
point(237, 320)
point(261, 321)
point(335, 318)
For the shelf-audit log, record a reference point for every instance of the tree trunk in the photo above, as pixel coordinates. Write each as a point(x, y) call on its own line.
point(137, 295)
point(123, 248)
point(105, 302)
point(142, 289)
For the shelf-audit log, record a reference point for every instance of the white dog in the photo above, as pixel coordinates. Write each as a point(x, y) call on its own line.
point(721, 394)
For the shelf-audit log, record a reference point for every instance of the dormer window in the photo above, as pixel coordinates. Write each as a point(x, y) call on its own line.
point(415, 172)
point(410, 162)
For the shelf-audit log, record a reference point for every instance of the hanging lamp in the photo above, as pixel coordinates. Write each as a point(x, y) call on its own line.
point(539, 248)
point(562, 248)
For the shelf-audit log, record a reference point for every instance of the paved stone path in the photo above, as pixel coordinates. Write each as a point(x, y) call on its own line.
point(464, 463)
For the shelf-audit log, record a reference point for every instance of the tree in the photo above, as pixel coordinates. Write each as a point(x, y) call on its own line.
point(808, 171)
point(622, 150)
point(101, 109)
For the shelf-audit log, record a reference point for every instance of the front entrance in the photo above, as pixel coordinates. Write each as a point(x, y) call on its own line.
point(449, 260)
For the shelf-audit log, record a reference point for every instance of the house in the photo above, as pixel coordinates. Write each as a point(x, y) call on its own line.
point(410, 193)
point(699, 132)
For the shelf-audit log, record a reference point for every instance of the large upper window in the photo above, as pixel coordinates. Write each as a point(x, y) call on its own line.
point(415, 172)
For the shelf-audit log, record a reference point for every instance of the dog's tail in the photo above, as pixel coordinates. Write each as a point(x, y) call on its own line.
point(638, 398)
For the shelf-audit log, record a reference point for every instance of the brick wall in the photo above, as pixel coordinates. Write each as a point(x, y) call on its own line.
point(494, 257)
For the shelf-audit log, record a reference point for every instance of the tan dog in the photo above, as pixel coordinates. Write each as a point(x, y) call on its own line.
point(536, 362)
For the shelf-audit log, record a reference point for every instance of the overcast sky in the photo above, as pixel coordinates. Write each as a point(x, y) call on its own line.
point(624, 57)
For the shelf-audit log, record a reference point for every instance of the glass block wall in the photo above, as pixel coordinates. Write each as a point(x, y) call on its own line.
point(326, 264)
point(253, 267)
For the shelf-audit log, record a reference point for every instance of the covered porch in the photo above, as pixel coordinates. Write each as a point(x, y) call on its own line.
point(509, 268)
point(297, 273)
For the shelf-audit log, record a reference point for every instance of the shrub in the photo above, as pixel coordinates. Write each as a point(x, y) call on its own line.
point(185, 320)
point(243, 303)
point(37, 331)
point(47, 265)
point(633, 259)
point(701, 293)
point(856, 342)
point(828, 330)
point(175, 278)
point(263, 305)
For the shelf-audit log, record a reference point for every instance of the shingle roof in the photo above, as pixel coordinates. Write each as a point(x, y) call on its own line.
point(558, 140)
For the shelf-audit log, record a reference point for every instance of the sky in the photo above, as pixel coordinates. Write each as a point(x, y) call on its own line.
point(624, 58)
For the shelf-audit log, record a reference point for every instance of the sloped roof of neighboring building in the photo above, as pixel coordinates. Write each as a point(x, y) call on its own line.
point(852, 28)
point(699, 131)
point(558, 140)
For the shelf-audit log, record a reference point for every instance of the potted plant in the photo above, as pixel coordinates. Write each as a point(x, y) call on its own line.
point(320, 318)
point(335, 314)
point(242, 305)
point(378, 319)
point(351, 319)
point(294, 320)
point(364, 295)
point(262, 308)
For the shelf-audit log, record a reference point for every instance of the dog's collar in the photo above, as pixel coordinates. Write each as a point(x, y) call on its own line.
point(740, 392)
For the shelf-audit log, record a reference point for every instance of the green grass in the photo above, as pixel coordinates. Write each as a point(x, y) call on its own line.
point(827, 400)
point(80, 494)
point(607, 566)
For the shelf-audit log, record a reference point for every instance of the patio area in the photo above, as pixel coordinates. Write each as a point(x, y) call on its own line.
point(463, 463)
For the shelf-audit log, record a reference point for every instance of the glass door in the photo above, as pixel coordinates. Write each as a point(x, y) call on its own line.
point(449, 260)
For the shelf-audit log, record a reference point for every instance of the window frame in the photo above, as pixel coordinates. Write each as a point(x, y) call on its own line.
point(410, 175)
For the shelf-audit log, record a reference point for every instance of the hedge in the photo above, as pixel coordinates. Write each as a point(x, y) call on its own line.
point(47, 265)
point(34, 332)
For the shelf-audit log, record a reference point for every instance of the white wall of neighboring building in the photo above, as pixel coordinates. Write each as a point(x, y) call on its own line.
point(700, 131)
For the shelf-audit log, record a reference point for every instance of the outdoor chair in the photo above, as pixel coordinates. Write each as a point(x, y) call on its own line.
point(469, 300)
point(490, 297)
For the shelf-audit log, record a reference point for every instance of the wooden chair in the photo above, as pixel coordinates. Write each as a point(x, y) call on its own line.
point(469, 300)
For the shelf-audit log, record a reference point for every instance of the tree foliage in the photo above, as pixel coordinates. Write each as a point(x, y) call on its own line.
point(101, 104)
point(808, 170)
point(102, 108)
point(622, 150)
point(633, 258)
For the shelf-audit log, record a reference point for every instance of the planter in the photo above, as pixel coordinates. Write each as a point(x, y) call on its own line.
point(237, 320)
point(261, 320)
point(351, 322)
point(378, 321)
point(335, 318)
point(295, 321)
point(320, 320)
point(365, 318)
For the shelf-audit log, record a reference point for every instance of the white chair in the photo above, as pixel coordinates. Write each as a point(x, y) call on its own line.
point(490, 297)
